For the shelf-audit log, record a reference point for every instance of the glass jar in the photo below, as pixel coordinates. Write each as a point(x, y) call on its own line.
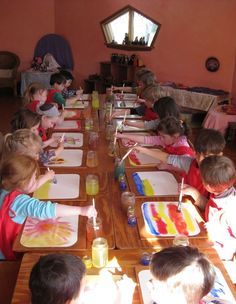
point(93, 229)
point(109, 131)
point(127, 200)
point(181, 240)
point(99, 252)
point(95, 100)
point(92, 159)
point(92, 184)
point(131, 217)
point(93, 140)
point(111, 149)
point(122, 182)
point(119, 168)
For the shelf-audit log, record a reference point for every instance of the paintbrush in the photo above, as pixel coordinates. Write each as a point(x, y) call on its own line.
point(94, 217)
point(54, 180)
point(179, 207)
point(129, 151)
point(62, 138)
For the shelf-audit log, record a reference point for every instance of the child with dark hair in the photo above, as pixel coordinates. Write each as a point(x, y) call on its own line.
point(163, 107)
point(208, 142)
point(57, 279)
point(58, 82)
point(25, 119)
point(171, 136)
point(181, 275)
point(219, 175)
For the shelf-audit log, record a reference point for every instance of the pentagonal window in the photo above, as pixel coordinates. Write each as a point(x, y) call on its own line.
point(130, 29)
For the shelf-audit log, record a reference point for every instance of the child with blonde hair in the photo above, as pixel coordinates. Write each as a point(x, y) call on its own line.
point(219, 175)
point(35, 95)
point(26, 119)
point(19, 178)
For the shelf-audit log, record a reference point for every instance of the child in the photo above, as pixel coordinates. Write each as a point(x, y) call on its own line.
point(66, 92)
point(35, 95)
point(218, 175)
point(49, 118)
point(60, 279)
point(57, 278)
point(208, 142)
point(58, 82)
point(24, 142)
point(19, 178)
point(171, 136)
point(26, 119)
point(151, 95)
point(181, 275)
point(163, 107)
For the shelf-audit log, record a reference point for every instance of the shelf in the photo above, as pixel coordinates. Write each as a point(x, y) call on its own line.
point(131, 47)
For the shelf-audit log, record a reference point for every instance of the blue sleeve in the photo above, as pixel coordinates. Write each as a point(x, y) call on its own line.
point(45, 156)
point(24, 206)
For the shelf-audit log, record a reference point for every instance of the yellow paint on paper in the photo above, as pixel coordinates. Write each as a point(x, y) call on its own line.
point(169, 224)
point(43, 191)
point(188, 220)
point(148, 190)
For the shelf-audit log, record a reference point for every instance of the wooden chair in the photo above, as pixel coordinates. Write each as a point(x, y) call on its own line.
point(9, 63)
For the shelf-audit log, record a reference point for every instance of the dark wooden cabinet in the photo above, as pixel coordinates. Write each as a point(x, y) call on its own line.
point(111, 73)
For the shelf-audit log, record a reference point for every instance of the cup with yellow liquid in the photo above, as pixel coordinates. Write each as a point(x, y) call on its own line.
point(92, 184)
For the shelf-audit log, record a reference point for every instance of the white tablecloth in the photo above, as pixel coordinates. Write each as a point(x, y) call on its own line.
point(192, 100)
point(29, 76)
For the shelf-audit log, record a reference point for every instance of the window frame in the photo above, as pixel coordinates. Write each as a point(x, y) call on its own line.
point(106, 33)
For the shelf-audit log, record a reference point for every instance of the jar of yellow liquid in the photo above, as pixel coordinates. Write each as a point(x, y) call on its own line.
point(99, 252)
point(95, 100)
point(92, 184)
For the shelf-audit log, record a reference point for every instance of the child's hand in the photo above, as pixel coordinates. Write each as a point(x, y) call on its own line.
point(49, 175)
point(88, 211)
point(140, 100)
point(54, 139)
point(126, 287)
point(189, 190)
point(60, 148)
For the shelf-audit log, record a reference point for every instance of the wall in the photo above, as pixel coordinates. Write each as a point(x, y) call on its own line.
point(191, 31)
point(22, 23)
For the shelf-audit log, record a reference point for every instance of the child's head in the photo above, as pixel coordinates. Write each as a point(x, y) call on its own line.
point(58, 81)
point(151, 94)
point(170, 129)
point(145, 78)
point(22, 141)
point(166, 106)
point(35, 91)
point(68, 76)
point(49, 115)
point(218, 173)
point(57, 279)
point(181, 275)
point(208, 142)
point(26, 119)
point(19, 172)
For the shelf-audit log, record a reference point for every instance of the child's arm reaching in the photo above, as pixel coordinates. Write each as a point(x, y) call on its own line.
point(59, 149)
point(120, 112)
point(137, 138)
point(50, 141)
point(64, 210)
point(200, 200)
point(138, 124)
point(162, 156)
point(48, 176)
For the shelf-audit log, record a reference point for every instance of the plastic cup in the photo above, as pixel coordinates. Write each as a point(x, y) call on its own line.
point(93, 229)
point(127, 199)
point(92, 159)
point(92, 184)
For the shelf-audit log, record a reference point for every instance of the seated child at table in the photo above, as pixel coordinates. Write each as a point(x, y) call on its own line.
point(208, 142)
point(66, 92)
point(57, 278)
point(26, 119)
point(24, 142)
point(35, 95)
point(19, 178)
point(150, 95)
point(163, 107)
point(49, 118)
point(61, 279)
point(171, 136)
point(58, 81)
point(180, 275)
point(218, 175)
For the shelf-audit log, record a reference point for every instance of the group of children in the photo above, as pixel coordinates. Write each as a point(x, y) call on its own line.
point(209, 179)
point(20, 152)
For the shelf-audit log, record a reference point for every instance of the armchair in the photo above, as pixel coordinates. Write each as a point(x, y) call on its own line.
point(9, 63)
